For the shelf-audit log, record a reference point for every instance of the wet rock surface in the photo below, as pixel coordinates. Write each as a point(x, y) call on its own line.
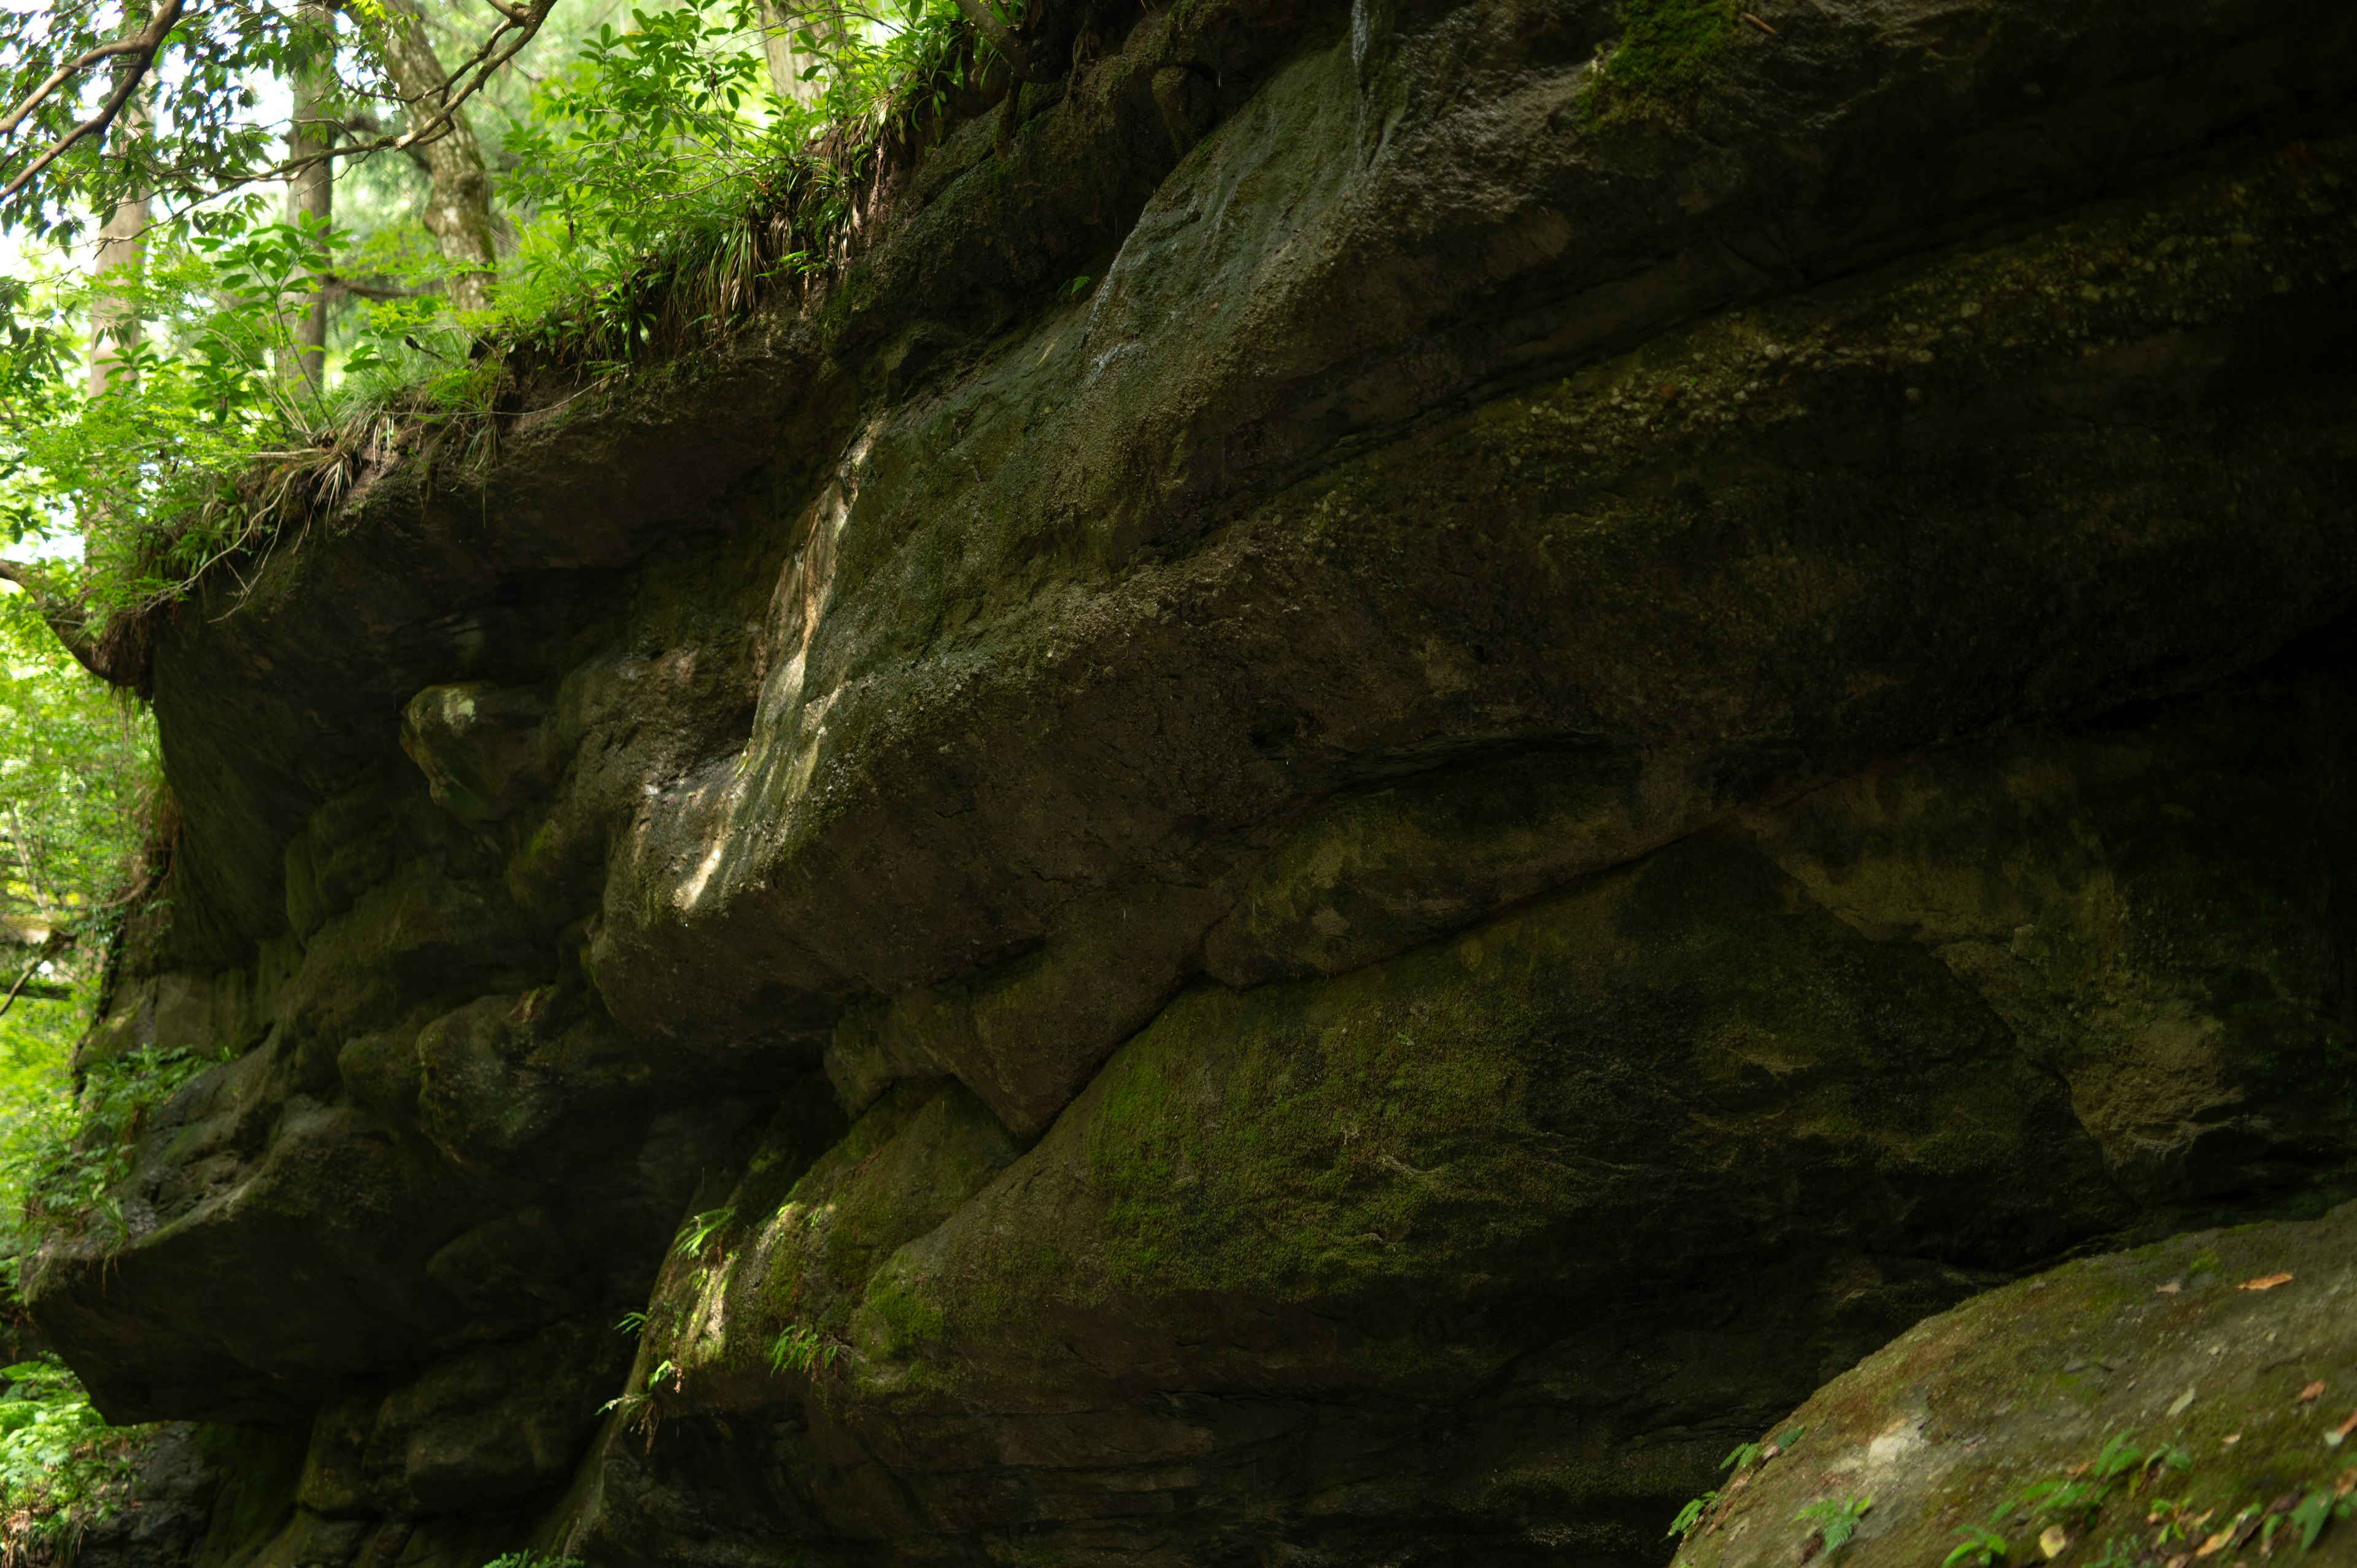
point(1585, 741)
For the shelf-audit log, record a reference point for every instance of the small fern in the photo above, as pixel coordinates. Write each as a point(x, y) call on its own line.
point(1835, 1518)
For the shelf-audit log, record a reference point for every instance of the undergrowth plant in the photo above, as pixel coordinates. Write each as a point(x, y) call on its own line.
point(68, 1173)
point(61, 1464)
point(800, 1349)
point(1835, 1520)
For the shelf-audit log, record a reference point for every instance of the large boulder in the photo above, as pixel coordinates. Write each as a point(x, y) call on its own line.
point(2187, 1402)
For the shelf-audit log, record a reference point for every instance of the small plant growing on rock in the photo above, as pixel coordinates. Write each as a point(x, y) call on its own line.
point(65, 1186)
point(1691, 1515)
point(798, 1350)
point(1739, 1460)
point(1836, 1519)
point(1982, 1546)
point(698, 1232)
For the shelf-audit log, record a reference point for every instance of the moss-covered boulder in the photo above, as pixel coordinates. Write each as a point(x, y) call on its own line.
point(2188, 1401)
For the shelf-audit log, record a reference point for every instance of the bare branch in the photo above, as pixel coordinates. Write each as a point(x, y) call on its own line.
point(139, 50)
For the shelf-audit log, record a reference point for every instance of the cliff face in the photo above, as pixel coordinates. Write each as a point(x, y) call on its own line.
point(1634, 697)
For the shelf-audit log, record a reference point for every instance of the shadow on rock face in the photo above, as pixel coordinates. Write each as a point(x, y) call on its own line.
point(1594, 734)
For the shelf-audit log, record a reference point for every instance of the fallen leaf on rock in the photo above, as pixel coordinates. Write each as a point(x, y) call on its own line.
point(2053, 1540)
point(2229, 1440)
point(2169, 1287)
point(2216, 1544)
point(2265, 1281)
point(2182, 1403)
point(2313, 1393)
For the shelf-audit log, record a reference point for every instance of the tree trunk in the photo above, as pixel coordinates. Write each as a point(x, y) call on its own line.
point(781, 20)
point(458, 207)
point(310, 193)
point(122, 247)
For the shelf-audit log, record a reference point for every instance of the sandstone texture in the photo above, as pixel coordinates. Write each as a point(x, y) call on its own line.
point(1632, 697)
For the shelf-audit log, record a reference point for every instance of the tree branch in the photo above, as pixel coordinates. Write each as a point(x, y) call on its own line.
point(1010, 48)
point(57, 942)
point(485, 62)
point(139, 49)
point(522, 21)
point(67, 616)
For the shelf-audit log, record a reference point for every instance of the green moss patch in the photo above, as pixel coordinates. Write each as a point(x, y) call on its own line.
point(1667, 49)
point(2189, 1401)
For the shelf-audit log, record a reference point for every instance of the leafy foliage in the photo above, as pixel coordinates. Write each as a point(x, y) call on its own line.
point(1981, 1545)
point(201, 132)
point(698, 1232)
point(77, 771)
point(146, 471)
point(655, 185)
point(66, 1187)
point(665, 190)
point(58, 1462)
point(799, 1349)
point(1691, 1515)
point(1836, 1519)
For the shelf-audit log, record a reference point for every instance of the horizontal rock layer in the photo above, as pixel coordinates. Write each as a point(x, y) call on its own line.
point(1586, 739)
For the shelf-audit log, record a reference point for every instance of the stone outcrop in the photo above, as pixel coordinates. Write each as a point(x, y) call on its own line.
point(2189, 1400)
point(1637, 696)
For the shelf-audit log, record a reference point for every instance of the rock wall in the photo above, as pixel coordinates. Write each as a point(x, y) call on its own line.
point(1637, 696)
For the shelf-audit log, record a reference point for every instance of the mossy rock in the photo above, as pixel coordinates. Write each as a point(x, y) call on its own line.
point(2185, 1401)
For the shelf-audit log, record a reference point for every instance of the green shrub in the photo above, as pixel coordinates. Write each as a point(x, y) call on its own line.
point(61, 1464)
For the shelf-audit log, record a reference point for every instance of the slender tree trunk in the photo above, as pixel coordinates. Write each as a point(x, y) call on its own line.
point(458, 207)
point(311, 193)
point(781, 22)
point(122, 248)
